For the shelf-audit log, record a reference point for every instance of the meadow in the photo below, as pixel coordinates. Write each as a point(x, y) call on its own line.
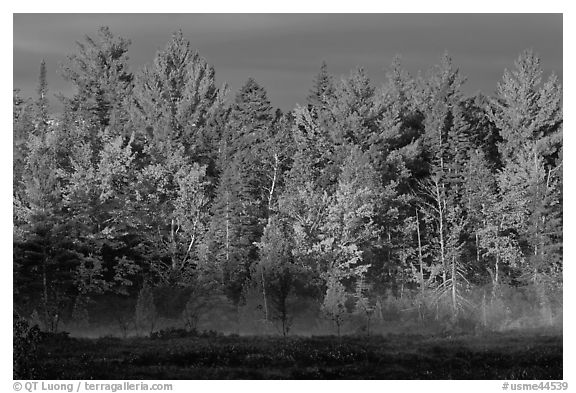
point(527, 354)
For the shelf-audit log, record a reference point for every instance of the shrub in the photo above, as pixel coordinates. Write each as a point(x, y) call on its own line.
point(25, 344)
point(171, 333)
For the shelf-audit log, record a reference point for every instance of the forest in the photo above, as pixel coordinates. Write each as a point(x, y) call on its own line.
point(158, 202)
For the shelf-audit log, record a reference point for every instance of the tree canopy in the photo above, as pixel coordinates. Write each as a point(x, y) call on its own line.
point(155, 193)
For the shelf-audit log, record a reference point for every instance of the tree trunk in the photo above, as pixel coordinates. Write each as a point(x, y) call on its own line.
point(284, 318)
point(227, 246)
point(173, 243)
point(420, 254)
point(389, 248)
point(477, 248)
point(484, 321)
point(264, 294)
point(454, 282)
point(441, 231)
point(273, 185)
point(47, 324)
point(495, 278)
point(238, 318)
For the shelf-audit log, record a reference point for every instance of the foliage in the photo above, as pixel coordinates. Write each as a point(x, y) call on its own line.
point(176, 97)
point(277, 271)
point(155, 195)
point(25, 344)
point(334, 305)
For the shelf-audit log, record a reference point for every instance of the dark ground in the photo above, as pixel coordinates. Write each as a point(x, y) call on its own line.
point(511, 355)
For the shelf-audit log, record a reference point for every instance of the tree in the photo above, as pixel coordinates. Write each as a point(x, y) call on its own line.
point(355, 203)
point(395, 153)
point(394, 146)
point(277, 270)
point(442, 98)
point(364, 306)
point(42, 102)
point(322, 91)
point(275, 154)
point(169, 205)
point(103, 81)
point(243, 198)
point(353, 111)
point(532, 214)
point(524, 110)
point(246, 141)
point(479, 201)
point(233, 232)
point(249, 123)
point(529, 117)
point(305, 199)
point(334, 305)
point(347, 230)
point(152, 196)
point(305, 208)
point(22, 127)
point(251, 110)
point(446, 148)
point(483, 133)
point(315, 153)
point(44, 257)
point(176, 97)
point(28, 118)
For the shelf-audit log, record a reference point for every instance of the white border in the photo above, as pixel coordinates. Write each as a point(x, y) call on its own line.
point(419, 6)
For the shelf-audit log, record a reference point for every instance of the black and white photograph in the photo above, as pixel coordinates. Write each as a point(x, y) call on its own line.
point(287, 196)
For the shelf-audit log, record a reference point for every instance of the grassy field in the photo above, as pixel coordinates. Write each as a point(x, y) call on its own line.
point(511, 355)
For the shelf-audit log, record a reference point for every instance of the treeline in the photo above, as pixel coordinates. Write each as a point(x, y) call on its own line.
point(155, 196)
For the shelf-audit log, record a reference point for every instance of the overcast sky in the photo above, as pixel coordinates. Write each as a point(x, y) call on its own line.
point(283, 52)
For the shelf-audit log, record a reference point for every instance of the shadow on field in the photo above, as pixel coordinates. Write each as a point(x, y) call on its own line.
point(508, 355)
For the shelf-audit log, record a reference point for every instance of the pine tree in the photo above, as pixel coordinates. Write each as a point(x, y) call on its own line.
point(251, 110)
point(150, 196)
point(531, 203)
point(315, 155)
point(353, 111)
point(22, 127)
point(103, 81)
point(479, 195)
point(529, 117)
point(525, 110)
point(322, 92)
point(442, 94)
point(394, 146)
point(42, 102)
point(250, 167)
point(395, 154)
point(249, 123)
point(446, 148)
point(45, 257)
point(177, 96)
point(233, 232)
point(483, 132)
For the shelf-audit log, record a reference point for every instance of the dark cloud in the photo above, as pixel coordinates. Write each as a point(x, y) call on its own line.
point(283, 51)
